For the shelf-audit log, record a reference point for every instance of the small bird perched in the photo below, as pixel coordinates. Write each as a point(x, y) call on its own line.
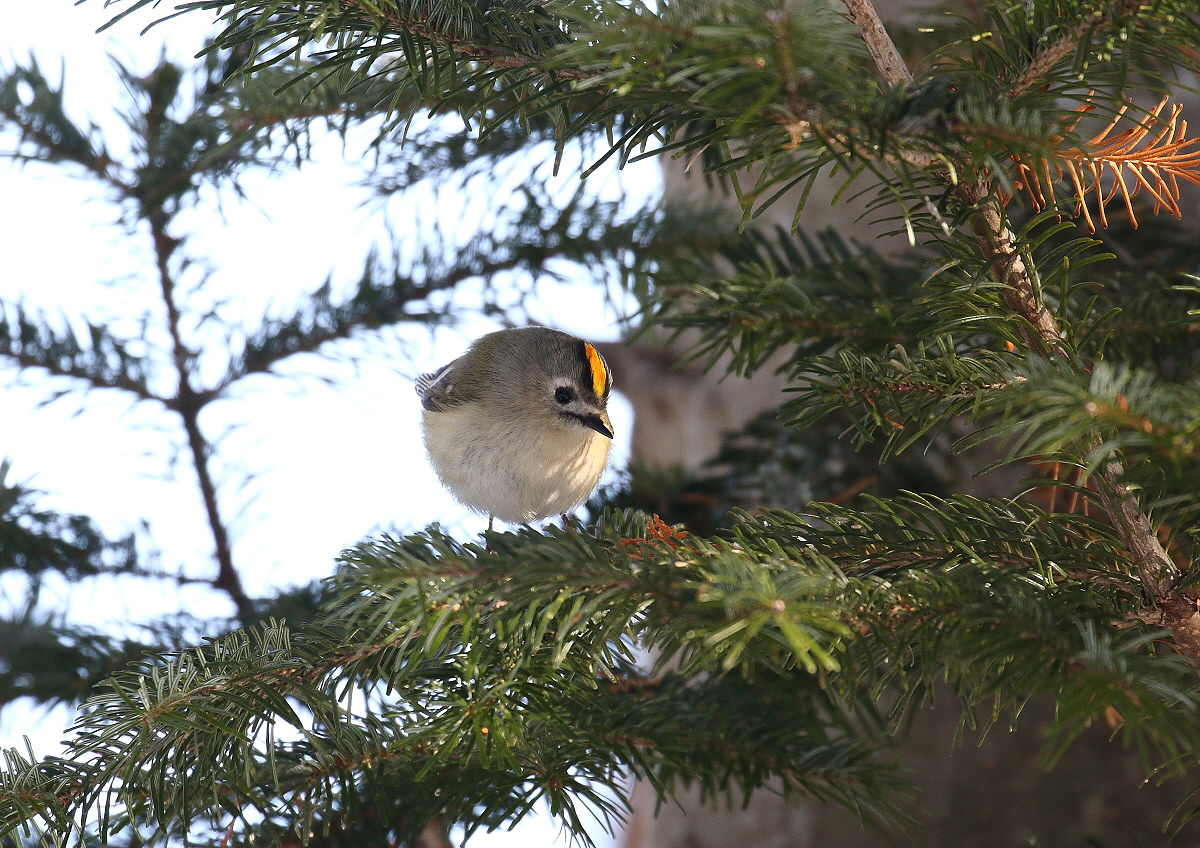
point(517, 427)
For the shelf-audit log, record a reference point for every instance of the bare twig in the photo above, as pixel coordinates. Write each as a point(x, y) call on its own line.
point(188, 404)
point(883, 50)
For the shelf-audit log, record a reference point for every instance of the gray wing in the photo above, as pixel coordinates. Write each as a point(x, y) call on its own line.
point(437, 389)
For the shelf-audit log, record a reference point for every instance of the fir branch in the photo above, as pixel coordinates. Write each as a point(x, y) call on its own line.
point(1120, 502)
point(508, 678)
point(1167, 157)
point(421, 622)
point(1130, 411)
point(888, 61)
point(1010, 263)
point(1042, 333)
point(103, 363)
point(904, 394)
point(914, 534)
point(513, 37)
point(976, 592)
point(55, 664)
point(1049, 56)
point(800, 293)
point(35, 541)
point(605, 81)
point(491, 57)
point(1118, 415)
point(42, 123)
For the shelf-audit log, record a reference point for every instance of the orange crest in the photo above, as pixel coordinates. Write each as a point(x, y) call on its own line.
point(599, 369)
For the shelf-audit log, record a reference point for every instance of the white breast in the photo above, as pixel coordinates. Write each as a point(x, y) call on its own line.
point(506, 472)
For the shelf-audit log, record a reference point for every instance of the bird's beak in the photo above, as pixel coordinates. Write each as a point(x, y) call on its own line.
point(599, 423)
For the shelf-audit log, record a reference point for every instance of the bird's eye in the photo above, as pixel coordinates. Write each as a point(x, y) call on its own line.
point(564, 394)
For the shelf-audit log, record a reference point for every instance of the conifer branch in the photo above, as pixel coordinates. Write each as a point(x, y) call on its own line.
point(999, 244)
point(87, 366)
point(41, 122)
point(492, 57)
point(505, 60)
point(1156, 570)
point(1046, 59)
point(1042, 333)
point(883, 50)
point(1161, 162)
point(189, 403)
point(1003, 250)
point(35, 541)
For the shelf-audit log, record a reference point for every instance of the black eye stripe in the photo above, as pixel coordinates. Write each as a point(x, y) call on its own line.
point(594, 376)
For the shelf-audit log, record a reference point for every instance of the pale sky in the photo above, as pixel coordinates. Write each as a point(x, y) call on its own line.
point(330, 467)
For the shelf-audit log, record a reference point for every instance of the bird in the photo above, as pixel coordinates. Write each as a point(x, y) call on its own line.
point(517, 428)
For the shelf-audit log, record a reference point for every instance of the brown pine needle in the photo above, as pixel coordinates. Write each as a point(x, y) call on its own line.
point(1152, 156)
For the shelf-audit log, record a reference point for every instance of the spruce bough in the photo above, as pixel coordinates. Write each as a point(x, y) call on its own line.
point(458, 681)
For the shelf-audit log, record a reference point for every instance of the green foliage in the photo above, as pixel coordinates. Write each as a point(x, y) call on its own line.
point(801, 295)
point(780, 88)
point(443, 680)
point(36, 541)
point(1116, 414)
point(444, 667)
point(44, 124)
point(43, 657)
point(193, 132)
point(480, 681)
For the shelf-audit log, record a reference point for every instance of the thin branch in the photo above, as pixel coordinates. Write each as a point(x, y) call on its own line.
point(492, 57)
point(188, 404)
point(1041, 332)
point(1155, 568)
point(65, 368)
point(883, 50)
point(1046, 59)
point(54, 148)
point(1157, 167)
point(1000, 246)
